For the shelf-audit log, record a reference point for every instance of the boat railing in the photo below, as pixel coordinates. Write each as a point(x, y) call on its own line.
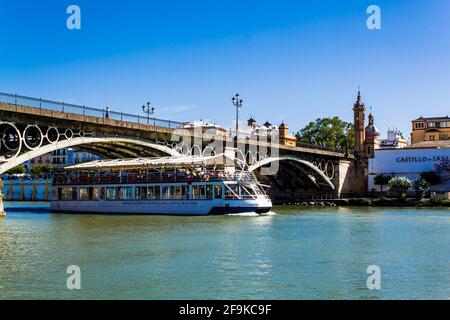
point(153, 177)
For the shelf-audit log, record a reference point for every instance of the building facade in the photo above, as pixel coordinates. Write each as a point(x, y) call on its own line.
point(285, 138)
point(406, 162)
point(430, 129)
point(367, 138)
point(267, 129)
point(394, 140)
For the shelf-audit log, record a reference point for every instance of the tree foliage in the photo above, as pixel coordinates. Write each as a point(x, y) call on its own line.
point(420, 186)
point(400, 185)
point(328, 132)
point(431, 177)
point(40, 170)
point(382, 180)
point(17, 170)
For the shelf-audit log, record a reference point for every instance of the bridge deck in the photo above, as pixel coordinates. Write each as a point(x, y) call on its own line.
point(16, 108)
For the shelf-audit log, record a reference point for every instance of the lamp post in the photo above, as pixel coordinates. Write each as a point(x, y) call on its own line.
point(237, 102)
point(148, 110)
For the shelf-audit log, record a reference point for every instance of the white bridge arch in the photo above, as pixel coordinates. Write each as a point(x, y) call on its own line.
point(79, 141)
point(306, 163)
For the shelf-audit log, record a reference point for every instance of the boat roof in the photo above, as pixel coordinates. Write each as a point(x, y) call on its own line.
point(185, 162)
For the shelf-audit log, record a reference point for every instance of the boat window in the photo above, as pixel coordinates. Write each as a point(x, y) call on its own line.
point(74, 193)
point(125, 193)
point(184, 192)
point(111, 193)
point(177, 192)
point(93, 193)
point(157, 192)
point(84, 194)
point(61, 193)
point(141, 192)
point(209, 191)
point(102, 193)
point(202, 192)
point(217, 191)
point(232, 191)
point(198, 192)
point(151, 192)
point(168, 192)
point(195, 192)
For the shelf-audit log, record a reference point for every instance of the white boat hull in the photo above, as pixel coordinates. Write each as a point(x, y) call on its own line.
point(164, 207)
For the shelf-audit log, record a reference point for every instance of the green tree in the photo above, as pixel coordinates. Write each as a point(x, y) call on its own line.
point(400, 185)
point(431, 177)
point(40, 170)
point(381, 180)
point(17, 170)
point(329, 132)
point(420, 186)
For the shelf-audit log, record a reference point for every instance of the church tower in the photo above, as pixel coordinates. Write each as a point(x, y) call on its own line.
point(372, 138)
point(359, 117)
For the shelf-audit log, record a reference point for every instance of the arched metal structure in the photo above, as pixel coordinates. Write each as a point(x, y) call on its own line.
point(94, 144)
point(315, 169)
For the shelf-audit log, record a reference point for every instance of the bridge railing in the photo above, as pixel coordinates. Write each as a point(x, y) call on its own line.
point(319, 147)
point(43, 104)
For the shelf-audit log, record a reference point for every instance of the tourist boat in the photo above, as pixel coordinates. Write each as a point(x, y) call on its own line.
point(185, 185)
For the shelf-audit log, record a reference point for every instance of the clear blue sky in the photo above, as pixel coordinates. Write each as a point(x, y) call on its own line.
point(290, 60)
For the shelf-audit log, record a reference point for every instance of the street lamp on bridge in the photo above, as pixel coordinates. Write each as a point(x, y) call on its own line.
point(148, 110)
point(238, 103)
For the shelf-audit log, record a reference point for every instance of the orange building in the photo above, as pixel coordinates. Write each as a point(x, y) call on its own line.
point(285, 138)
point(367, 138)
point(430, 129)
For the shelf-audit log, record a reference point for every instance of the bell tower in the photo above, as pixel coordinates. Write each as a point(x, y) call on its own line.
point(358, 121)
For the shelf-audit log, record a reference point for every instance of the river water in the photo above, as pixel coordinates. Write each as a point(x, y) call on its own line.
point(297, 253)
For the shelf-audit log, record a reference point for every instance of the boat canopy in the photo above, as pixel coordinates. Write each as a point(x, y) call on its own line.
point(185, 162)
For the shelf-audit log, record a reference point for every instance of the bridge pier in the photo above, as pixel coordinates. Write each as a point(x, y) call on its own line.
point(2, 211)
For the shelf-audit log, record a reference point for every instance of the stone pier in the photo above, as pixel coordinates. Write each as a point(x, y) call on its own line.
point(2, 210)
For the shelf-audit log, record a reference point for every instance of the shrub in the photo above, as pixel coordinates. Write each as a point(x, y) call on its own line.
point(442, 203)
point(420, 186)
point(400, 185)
point(382, 180)
point(17, 170)
point(39, 170)
point(431, 177)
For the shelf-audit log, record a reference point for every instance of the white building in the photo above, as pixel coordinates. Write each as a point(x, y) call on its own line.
point(394, 140)
point(406, 162)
